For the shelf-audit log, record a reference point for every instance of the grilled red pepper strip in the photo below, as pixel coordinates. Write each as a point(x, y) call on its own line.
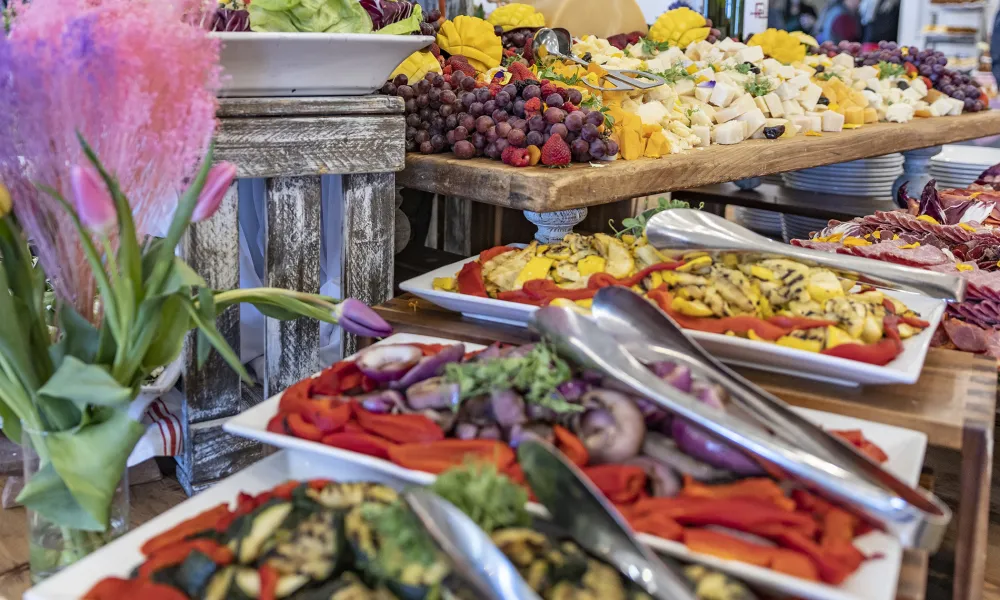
point(880, 353)
point(487, 255)
point(437, 457)
point(295, 397)
point(834, 564)
point(277, 425)
point(401, 429)
point(736, 513)
point(656, 524)
point(722, 545)
point(268, 582)
point(599, 280)
point(175, 554)
point(327, 415)
point(336, 380)
point(361, 443)
point(622, 484)
point(113, 588)
point(470, 280)
point(301, 428)
point(571, 446)
point(201, 522)
point(756, 488)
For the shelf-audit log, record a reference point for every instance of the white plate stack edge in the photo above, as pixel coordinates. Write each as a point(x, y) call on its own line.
point(959, 166)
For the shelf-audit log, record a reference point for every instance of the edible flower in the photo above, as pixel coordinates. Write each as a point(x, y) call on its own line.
point(220, 177)
point(92, 199)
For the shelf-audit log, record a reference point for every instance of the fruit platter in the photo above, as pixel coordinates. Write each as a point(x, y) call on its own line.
point(947, 230)
point(273, 48)
point(260, 534)
point(775, 314)
point(413, 407)
point(490, 88)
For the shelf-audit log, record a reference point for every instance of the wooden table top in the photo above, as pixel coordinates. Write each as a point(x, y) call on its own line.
point(548, 190)
point(787, 201)
point(953, 388)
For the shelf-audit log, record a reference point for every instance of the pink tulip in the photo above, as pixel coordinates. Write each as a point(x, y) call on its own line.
point(357, 318)
point(92, 198)
point(220, 177)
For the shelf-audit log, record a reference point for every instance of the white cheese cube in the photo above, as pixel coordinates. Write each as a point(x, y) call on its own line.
point(899, 113)
point(911, 95)
point(703, 93)
point(791, 107)
point(727, 77)
point(754, 119)
point(699, 117)
point(875, 84)
point(874, 98)
point(786, 92)
point(759, 101)
point(920, 86)
point(833, 121)
point(684, 87)
point(708, 74)
point(957, 106)
point(940, 107)
point(750, 54)
point(858, 85)
point(893, 95)
point(843, 60)
point(864, 73)
point(729, 133)
point(815, 123)
point(723, 94)
point(798, 82)
point(770, 66)
point(803, 123)
point(809, 96)
point(735, 109)
point(704, 134)
point(729, 45)
point(787, 72)
point(774, 106)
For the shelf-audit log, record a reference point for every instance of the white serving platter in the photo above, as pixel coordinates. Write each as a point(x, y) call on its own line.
point(875, 580)
point(771, 357)
point(311, 64)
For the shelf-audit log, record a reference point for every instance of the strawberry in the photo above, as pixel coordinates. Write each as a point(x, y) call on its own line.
point(519, 72)
point(459, 63)
point(447, 70)
point(556, 151)
point(516, 157)
point(533, 106)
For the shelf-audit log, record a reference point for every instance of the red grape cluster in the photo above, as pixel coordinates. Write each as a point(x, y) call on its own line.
point(431, 23)
point(431, 106)
point(927, 63)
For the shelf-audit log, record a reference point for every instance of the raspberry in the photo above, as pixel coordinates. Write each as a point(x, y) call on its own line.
point(533, 106)
point(547, 90)
point(519, 72)
point(516, 157)
point(495, 87)
point(570, 107)
point(509, 52)
point(556, 152)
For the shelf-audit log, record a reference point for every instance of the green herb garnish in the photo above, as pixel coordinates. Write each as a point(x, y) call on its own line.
point(675, 74)
point(827, 75)
point(536, 376)
point(402, 540)
point(488, 497)
point(743, 68)
point(637, 225)
point(759, 86)
point(651, 47)
point(887, 70)
point(594, 103)
point(550, 74)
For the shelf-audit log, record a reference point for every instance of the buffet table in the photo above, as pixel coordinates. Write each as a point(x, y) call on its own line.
point(953, 403)
point(290, 142)
point(556, 199)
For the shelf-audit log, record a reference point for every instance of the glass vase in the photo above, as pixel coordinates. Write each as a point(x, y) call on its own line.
point(53, 547)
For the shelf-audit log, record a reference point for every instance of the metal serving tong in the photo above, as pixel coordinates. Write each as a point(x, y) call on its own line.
point(582, 511)
point(559, 44)
point(777, 439)
point(479, 564)
point(689, 229)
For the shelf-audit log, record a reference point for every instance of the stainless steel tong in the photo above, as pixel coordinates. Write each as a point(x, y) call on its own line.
point(786, 444)
point(559, 44)
point(689, 229)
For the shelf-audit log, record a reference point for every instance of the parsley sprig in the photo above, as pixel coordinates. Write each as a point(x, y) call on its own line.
point(651, 47)
point(887, 70)
point(550, 74)
point(675, 74)
point(759, 86)
point(743, 68)
point(637, 225)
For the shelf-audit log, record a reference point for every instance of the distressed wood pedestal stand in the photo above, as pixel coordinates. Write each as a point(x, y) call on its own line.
point(291, 142)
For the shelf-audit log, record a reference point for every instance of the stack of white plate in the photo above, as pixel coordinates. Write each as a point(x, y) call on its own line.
point(869, 177)
point(959, 166)
point(764, 222)
point(794, 227)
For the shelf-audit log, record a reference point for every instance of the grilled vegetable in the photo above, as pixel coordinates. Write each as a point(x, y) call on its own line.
point(261, 525)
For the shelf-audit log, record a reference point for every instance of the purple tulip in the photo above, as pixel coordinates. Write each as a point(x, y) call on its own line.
point(92, 198)
point(217, 183)
point(357, 318)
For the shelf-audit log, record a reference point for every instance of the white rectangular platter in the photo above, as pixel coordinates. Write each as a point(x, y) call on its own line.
point(257, 64)
point(875, 580)
point(731, 349)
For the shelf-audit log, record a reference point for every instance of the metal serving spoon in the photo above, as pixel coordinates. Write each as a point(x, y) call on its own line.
point(475, 559)
point(576, 337)
point(689, 229)
point(650, 335)
point(559, 44)
point(581, 510)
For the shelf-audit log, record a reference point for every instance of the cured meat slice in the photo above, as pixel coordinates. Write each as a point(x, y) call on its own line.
point(965, 336)
point(922, 256)
point(983, 285)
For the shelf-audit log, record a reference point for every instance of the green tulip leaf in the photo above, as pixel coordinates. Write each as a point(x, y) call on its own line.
point(181, 277)
point(207, 331)
point(47, 494)
point(79, 339)
point(84, 384)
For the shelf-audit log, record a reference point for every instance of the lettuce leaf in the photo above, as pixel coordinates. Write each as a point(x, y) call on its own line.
point(407, 25)
point(309, 16)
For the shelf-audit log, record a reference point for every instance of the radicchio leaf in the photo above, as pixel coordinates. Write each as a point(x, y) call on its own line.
point(930, 203)
point(387, 12)
point(905, 201)
point(227, 19)
point(990, 176)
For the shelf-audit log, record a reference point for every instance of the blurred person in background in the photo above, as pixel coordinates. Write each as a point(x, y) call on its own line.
point(880, 19)
point(798, 16)
point(995, 47)
point(839, 21)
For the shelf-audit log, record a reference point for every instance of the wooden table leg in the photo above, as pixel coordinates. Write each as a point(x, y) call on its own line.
point(291, 261)
point(974, 510)
point(369, 223)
